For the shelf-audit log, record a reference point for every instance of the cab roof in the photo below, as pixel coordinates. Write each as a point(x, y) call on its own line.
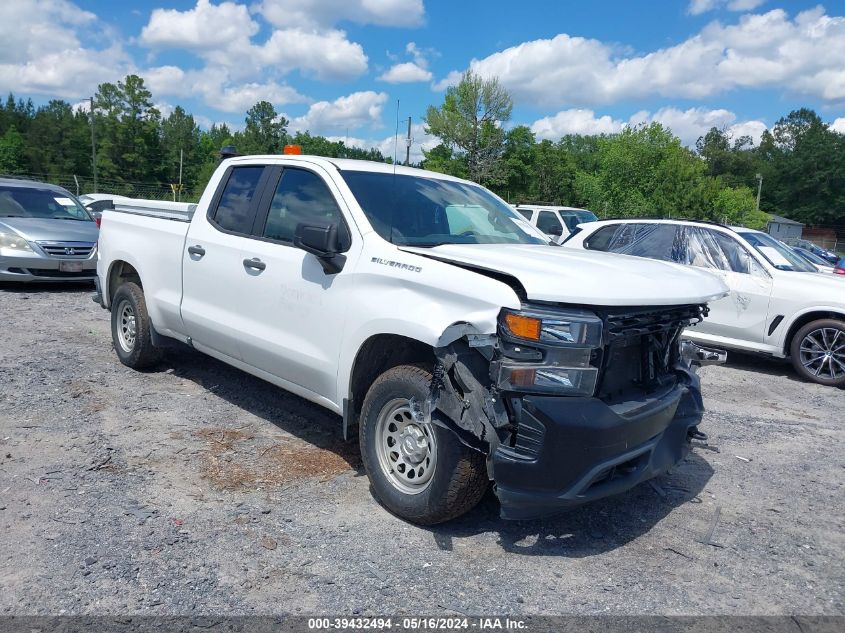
point(348, 164)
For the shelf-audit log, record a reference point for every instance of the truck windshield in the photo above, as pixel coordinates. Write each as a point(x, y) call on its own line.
point(778, 254)
point(419, 211)
point(22, 202)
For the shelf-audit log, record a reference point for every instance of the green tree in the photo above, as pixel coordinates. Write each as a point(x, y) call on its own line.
point(518, 164)
point(265, 131)
point(469, 122)
point(805, 179)
point(127, 126)
point(59, 140)
point(554, 174)
point(180, 143)
point(11, 152)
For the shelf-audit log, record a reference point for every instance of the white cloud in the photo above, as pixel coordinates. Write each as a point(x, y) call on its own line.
point(574, 121)
point(387, 145)
point(693, 123)
point(239, 98)
point(206, 26)
point(451, 79)
point(697, 7)
point(214, 87)
point(223, 34)
point(325, 54)
point(326, 13)
point(688, 124)
point(407, 72)
point(43, 50)
point(768, 50)
point(358, 109)
point(838, 125)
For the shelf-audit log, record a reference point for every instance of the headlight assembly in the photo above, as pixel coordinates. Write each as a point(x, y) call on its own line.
point(14, 243)
point(558, 346)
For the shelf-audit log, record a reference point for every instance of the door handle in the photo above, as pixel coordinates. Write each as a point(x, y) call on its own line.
point(255, 264)
point(198, 250)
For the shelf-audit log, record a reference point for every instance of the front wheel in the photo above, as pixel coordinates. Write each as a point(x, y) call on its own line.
point(818, 352)
point(131, 328)
point(418, 470)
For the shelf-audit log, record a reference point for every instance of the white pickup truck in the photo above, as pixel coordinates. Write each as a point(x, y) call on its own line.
point(426, 311)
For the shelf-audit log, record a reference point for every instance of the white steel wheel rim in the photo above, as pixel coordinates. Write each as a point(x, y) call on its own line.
point(406, 447)
point(823, 353)
point(127, 328)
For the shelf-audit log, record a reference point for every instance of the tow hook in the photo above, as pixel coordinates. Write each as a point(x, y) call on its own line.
point(702, 356)
point(694, 434)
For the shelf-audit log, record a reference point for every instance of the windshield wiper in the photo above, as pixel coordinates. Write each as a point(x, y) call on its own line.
point(71, 219)
point(12, 216)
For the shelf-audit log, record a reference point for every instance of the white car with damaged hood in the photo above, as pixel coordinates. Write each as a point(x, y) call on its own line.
point(425, 311)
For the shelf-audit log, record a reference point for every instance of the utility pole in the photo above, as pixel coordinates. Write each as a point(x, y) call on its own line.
point(408, 145)
point(93, 146)
point(180, 174)
point(759, 189)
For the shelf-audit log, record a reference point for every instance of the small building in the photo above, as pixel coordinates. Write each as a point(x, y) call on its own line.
point(784, 229)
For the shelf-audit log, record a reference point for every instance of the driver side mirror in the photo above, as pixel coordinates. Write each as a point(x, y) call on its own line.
point(555, 231)
point(321, 240)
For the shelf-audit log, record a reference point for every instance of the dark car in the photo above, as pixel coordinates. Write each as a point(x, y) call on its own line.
point(45, 234)
point(815, 249)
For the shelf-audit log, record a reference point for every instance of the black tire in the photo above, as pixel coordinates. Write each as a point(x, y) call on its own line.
point(459, 477)
point(128, 305)
point(810, 359)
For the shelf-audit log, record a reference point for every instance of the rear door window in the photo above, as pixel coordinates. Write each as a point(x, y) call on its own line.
point(549, 223)
point(235, 212)
point(654, 241)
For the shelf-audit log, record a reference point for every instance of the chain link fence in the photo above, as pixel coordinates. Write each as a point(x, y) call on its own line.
point(79, 185)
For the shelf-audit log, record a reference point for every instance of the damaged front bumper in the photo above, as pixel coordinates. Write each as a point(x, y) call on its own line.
point(570, 451)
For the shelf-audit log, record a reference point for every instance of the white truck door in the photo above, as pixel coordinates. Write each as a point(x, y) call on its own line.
point(743, 314)
point(212, 265)
point(293, 309)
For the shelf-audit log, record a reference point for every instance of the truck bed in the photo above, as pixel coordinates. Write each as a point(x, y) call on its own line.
point(152, 242)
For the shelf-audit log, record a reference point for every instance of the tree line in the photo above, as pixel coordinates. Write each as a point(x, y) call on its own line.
point(137, 148)
point(641, 171)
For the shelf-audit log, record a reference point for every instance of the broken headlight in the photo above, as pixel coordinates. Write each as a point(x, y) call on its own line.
point(549, 351)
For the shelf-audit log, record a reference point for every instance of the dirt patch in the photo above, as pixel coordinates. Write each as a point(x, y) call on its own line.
point(236, 460)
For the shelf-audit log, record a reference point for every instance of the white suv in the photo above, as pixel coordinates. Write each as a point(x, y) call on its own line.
point(556, 222)
point(779, 304)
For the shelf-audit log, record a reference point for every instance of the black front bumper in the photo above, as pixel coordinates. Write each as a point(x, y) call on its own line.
point(569, 451)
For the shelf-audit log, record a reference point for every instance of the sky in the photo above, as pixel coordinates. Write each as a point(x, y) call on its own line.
point(347, 69)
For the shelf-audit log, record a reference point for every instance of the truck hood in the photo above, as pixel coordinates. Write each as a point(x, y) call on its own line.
point(49, 230)
point(550, 273)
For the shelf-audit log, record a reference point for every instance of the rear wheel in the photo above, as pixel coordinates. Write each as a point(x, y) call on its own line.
point(131, 328)
point(418, 470)
point(818, 352)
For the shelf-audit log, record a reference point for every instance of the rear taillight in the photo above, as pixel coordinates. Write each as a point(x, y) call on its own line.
point(839, 271)
point(98, 219)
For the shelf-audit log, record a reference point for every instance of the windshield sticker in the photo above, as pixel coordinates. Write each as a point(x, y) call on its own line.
point(774, 256)
point(65, 202)
point(399, 265)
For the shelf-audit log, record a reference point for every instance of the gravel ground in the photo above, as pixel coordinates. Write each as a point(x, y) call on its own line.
point(197, 489)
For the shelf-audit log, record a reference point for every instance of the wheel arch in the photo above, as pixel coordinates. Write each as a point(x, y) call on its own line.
point(120, 271)
point(376, 355)
point(805, 318)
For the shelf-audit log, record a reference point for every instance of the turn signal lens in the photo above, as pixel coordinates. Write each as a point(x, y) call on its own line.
point(522, 377)
point(523, 326)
